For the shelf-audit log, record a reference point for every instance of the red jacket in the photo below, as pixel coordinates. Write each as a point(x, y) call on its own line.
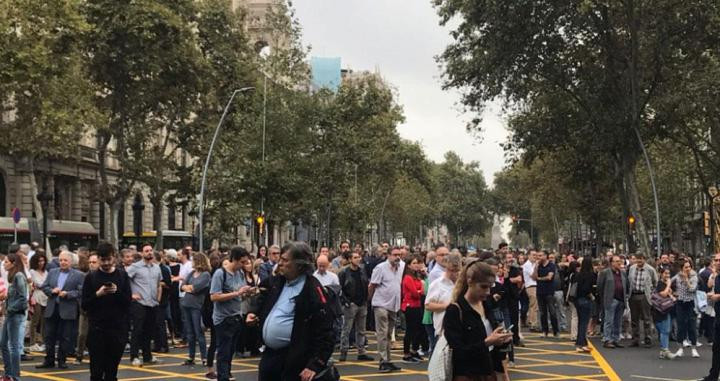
point(412, 291)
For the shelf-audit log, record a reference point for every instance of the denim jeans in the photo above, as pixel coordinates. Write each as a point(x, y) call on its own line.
point(686, 321)
point(11, 342)
point(663, 328)
point(227, 334)
point(613, 320)
point(583, 306)
point(546, 305)
point(194, 332)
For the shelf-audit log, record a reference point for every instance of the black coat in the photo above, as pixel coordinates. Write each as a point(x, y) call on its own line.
point(466, 337)
point(312, 341)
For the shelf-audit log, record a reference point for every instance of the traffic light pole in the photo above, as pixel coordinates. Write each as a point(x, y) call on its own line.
point(654, 189)
point(207, 164)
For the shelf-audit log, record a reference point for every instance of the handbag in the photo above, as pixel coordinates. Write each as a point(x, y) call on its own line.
point(661, 303)
point(572, 290)
point(440, 367)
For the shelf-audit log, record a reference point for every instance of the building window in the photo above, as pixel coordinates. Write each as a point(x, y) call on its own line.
point(121, 221)
point(171, 216)
point(183, 218)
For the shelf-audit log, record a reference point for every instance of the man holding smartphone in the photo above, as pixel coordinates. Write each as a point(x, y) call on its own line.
point(106, 298)
point(227, 288)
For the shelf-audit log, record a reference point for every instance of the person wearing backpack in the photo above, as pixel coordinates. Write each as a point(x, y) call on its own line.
point(16, 302)
point(354, 295)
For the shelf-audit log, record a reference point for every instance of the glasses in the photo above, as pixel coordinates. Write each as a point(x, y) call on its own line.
point(716, 260)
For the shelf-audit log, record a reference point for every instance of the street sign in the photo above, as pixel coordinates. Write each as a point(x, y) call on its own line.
point(16, 219)
point(16, 215)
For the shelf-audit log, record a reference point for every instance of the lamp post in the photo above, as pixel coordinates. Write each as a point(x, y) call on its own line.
point(45, 197)
point(207, 163)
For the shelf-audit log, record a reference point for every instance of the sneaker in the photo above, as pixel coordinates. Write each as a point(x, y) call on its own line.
point(679, 353)
point(666, 354)
point(384, 368)
point(211, 375)
point(364, 357)
point(686, 343)
point(343, 357)
point(394, 367)
point(422, 353)
point(189, 362)
point(154, 360)
point(608, 344)
point(699, 344)
point(136, 362)
point(695, 353)
point(409, 359)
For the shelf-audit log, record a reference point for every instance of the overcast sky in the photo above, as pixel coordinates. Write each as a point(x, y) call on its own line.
point(400, 38)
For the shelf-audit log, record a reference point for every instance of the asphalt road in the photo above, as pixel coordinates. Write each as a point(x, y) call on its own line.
point(639, 364)
point(543, 359)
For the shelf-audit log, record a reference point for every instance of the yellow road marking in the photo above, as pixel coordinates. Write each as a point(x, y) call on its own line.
point(609, 371)
point(44, 376)
point(166, 373)
point(553, 375)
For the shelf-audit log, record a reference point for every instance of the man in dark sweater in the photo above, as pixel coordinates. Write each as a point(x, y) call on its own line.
point(106, 298)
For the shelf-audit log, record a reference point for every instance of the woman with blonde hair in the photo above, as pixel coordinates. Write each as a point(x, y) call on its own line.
point(196, 287)
point(471, 332)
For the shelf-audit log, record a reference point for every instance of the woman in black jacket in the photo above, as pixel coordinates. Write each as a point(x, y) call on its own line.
point(470, 332)
point(586, 281)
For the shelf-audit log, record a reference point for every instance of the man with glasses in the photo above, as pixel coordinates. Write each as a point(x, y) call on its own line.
point(266, 269)
point(106, 297)
point(437, 268)
point(439, 294)
point(714, 296)
point(227, 288)
point(613, 288)
point(296, 320)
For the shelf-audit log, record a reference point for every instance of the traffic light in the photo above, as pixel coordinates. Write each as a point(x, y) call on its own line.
point(261, 223)
point(631, 222)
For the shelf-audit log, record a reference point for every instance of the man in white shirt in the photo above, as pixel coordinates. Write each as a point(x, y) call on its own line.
point(326, 278)
point(439, 267)
point(440, 291)
point(384, 291)
point(531, 290)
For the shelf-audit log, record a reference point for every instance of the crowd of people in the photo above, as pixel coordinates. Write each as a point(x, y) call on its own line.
point(293, 307)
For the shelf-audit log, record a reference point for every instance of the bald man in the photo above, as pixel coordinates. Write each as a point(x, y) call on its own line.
point(63, 286)
point(326, 278)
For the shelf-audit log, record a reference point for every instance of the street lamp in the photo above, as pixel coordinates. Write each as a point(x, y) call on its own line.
point(207, 162)
point(45, 197)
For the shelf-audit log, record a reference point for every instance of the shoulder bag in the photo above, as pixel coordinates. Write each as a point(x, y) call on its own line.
point(440, 367)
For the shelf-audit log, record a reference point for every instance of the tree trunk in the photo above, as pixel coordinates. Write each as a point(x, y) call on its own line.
point(113, 226)
point(157, 222)
point(37, 207)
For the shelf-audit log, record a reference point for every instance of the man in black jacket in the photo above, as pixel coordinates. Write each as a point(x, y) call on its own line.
point(295, 320)
point(354, 284)
point(106, 298)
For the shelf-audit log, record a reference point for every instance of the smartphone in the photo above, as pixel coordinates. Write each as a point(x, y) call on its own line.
point(108, 284)
point(509, 329)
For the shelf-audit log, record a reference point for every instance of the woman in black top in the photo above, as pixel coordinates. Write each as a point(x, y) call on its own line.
point(586, 281)
point(469, 330)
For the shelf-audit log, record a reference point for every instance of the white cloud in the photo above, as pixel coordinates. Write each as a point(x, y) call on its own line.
point(401, 39)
